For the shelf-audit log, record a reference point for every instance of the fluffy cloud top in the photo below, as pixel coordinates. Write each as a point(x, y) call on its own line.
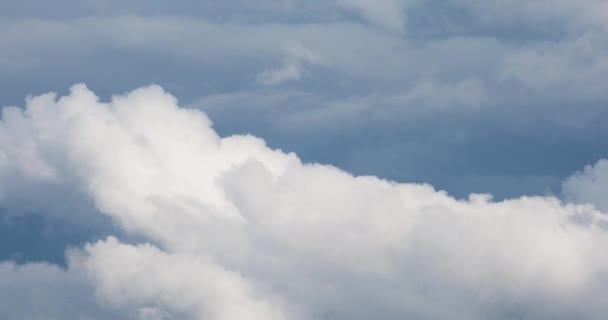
point(233, 229)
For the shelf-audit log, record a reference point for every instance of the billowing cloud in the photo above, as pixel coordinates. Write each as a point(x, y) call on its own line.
point(230, 228)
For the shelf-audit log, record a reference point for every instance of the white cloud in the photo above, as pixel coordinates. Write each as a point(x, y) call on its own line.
point(174, 283)
point(589, 185)
point(243, 231)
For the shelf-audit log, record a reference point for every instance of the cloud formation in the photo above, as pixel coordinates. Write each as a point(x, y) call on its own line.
point(292, 68)
point(589, 185)
point(489, 71)
point(388, 14)
point(233, 229)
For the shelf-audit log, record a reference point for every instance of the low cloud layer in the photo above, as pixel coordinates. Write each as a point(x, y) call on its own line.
point(229, 228)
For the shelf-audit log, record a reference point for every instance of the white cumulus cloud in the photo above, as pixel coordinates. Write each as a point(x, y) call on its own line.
point(233, 229)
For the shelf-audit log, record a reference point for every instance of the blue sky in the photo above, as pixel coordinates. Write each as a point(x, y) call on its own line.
point(468, 96)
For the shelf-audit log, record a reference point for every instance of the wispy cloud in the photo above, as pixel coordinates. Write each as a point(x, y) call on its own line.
point(293, 66)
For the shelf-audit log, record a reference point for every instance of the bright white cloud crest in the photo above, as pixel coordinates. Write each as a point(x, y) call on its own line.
point(240, 231)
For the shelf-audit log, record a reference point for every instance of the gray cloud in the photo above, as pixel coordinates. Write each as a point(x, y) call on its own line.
point(588, 185)
point(44, 291)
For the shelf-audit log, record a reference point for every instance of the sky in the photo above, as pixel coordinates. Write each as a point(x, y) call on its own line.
point(303, 160)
